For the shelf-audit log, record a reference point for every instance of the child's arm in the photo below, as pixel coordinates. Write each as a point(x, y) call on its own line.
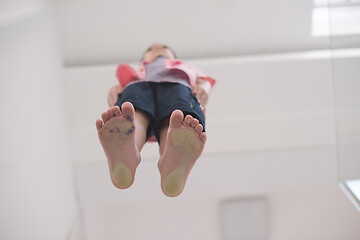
point(202, 91)
point(113, 94)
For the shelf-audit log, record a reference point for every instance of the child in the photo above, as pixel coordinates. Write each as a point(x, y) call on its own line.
point(152, 102)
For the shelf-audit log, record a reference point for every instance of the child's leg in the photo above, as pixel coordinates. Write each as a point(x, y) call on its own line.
point(182, 141)
point(142, 121)
point(163, 131)
point(122, 134)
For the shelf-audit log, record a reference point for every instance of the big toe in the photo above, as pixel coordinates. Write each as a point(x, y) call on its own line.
point(176, 119)
point(128, 109)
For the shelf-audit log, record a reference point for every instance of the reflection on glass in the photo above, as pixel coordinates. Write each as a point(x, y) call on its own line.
point(354, 187)
point(344, 18)
point(344, 26)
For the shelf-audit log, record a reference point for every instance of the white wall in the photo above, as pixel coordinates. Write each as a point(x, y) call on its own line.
point(36, 182)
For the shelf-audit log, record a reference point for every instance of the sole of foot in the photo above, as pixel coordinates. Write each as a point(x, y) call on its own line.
point(116, 133)
point(184, 145)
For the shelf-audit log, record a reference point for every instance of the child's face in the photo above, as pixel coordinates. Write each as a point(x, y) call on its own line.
point(155, 50)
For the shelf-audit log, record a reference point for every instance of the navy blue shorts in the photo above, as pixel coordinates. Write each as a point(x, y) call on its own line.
point(159, 100)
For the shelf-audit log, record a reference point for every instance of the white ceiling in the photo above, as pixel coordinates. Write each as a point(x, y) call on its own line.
point(103, 32)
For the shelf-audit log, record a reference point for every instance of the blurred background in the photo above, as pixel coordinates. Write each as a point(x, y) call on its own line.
point(282, 159)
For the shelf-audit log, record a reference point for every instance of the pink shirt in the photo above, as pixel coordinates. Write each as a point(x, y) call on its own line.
point(126, 74)
point(157, 72)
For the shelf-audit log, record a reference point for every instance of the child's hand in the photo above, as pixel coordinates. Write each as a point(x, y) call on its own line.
point(201, 90)
point(201, 95)
point(113, 94)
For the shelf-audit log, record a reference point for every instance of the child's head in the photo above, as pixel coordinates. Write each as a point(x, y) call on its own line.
point(156, 50)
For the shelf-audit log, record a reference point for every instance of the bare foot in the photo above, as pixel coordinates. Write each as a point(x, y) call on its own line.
point(117, 137)
point(184, 145)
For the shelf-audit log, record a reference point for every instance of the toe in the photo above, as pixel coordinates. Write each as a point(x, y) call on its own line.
point(111, 113)
point(194, 123)
point(188, 120)
point(99, 124)
point(203, 137)
point(176, 119)
point(105, 116)
point(117, 111)
point(128, 110)
point(199, 128)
